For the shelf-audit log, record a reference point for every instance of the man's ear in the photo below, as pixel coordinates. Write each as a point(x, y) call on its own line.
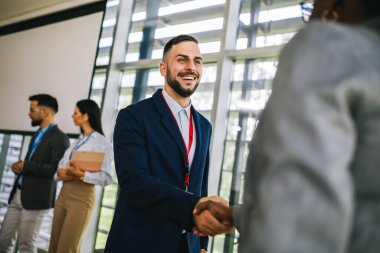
point(45, 112)
point(163, 68)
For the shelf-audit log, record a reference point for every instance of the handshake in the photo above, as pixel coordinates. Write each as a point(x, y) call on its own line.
point(212, 216)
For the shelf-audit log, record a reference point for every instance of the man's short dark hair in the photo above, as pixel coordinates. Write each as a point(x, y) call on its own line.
point(372, 8)
point(176, 40)
point(45, 100)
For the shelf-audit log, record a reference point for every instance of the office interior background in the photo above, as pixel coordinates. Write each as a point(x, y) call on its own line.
point(240, 41)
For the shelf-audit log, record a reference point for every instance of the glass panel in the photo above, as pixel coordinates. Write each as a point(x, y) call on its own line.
point(11, 145)
point(10, 150)
point(109, 195)
point(106, 37)
point(155, 22)
point(262, 24)
point(106, 215)
point(104, 51)
point(98, 86)
point(99, 80)
point(9, 154)
point(268, 23)
point(101, 239)
point(97, 93)
point(249, 92)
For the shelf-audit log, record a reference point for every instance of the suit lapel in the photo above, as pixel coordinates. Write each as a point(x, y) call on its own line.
point(168, 121)
point(199, 137)
point(30, 146)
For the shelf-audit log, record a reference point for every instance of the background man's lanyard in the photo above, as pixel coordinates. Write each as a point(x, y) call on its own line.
point(40, 134)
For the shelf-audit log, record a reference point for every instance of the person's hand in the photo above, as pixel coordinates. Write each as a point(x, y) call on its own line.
point(199, 219)
point(203, 251)
point(74, 171)
point(62, 175)
point(213, 198)
point(212, 216)
point(17, 167)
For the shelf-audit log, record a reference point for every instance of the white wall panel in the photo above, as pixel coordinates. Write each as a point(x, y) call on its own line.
point(57, 59)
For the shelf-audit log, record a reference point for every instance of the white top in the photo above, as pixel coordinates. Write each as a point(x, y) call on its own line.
point(95, 143)
point(182, 116)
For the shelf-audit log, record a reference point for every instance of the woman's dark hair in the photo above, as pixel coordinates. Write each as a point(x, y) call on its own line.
point(92, 109)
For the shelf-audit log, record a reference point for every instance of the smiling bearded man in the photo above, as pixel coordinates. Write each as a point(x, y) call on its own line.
point(161, 157)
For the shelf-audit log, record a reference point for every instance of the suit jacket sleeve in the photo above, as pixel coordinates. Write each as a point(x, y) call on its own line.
point(145, 192)
point(204, 240)
point(55, 150)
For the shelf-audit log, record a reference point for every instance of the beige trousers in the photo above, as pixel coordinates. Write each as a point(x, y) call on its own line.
point(72, 212)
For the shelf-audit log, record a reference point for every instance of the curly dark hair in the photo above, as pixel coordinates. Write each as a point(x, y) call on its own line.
point(372, 8)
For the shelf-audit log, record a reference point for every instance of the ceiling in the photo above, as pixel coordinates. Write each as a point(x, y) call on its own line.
point(12, 11)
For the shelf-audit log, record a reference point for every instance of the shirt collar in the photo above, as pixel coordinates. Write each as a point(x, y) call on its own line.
point(41, 131)
point(93, 133)
point(174, 106)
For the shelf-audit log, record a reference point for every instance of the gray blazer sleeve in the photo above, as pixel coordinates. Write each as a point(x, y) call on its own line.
point(299, 191)
point(45, 161)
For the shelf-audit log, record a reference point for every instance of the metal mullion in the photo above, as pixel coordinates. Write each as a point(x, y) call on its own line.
point(221, 93)
point(113, 76)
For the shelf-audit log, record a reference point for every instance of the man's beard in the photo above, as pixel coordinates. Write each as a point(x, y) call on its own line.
point(36, 122)
point(176, 86)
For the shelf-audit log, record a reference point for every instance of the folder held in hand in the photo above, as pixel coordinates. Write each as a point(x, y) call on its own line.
point(87, 160)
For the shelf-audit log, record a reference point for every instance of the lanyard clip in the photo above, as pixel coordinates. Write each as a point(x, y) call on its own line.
point(187, 177)
point(187, 181)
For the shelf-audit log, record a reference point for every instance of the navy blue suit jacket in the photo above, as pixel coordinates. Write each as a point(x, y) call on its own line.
point(152, 207)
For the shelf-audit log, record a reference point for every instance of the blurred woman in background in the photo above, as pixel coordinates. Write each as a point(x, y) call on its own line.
point(76, 200)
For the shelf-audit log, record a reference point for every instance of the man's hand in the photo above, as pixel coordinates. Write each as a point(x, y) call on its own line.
point(17, 167)
point(212, 216)
point(203, 251)
point(214, 198)
point(61, 172)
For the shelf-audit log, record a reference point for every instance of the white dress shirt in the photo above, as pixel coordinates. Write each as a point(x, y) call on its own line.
point(95, 143)
point(182, 116)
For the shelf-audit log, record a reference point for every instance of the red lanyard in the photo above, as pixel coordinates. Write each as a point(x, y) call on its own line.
point(187, 165)
point(187, 149)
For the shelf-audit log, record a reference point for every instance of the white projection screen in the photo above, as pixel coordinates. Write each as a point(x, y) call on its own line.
point(57, 59)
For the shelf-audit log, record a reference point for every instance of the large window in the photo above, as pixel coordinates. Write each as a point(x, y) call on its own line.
point(236, 81)
point(240, 41)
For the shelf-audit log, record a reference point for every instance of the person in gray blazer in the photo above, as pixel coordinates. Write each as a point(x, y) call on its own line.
point(33, 191)
point(313, 172)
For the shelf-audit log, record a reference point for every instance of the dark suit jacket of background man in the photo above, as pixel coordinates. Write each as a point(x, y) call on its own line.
point(38, 185)
point(152, 208)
